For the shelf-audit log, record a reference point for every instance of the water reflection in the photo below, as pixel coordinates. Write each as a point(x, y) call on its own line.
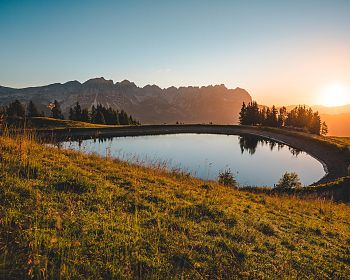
point(249, 143)
point(254, 160)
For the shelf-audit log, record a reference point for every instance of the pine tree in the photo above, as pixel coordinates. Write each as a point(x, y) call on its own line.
point(315, 125)
point(282, 115)
point(71, 114)
point(85, 115)
point(242, 114)
point(253, 114)
point(93, 114)
point(123, 118)
point(324, 128)
point(77, 112)
point(56, 112)
point(273, 117)
point(262, 116)
point(100, 119)
point(250, 114)
point(32, 111)
point(15, 110)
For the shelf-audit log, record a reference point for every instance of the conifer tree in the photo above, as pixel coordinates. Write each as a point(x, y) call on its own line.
point(15, 110)
point(242, 114)
point(85, 115)
point(100, 119)
point(324, 128)
point(71, 114)
point(77, 112)
point(32, 111)
point(56, 112)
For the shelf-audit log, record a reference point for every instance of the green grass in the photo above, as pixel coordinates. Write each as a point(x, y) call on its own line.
point(66, 215)
point(50, 123)
point(341, 143)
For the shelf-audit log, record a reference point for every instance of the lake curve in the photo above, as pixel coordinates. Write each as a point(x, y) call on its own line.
point(255, 161)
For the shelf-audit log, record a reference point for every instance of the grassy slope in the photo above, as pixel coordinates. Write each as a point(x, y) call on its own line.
point(342, 143)
point(77, 216)
point(50, 123)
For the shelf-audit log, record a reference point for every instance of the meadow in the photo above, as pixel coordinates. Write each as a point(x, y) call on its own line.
point(67, 215)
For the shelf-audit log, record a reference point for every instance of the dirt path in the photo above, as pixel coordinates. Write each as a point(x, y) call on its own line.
point(334, 161)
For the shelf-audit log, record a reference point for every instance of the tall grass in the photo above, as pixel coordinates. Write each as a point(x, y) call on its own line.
point(66, 215)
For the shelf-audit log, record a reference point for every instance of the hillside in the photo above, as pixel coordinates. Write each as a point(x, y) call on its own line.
point(50, 123)
point(75, 216)
point(149, 104)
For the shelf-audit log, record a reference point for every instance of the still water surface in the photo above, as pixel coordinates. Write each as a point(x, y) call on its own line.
point(253, 160)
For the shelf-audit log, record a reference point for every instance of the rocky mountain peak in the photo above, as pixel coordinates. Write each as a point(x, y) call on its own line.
point(125, 83)
point(98, 81)
point(149, 104)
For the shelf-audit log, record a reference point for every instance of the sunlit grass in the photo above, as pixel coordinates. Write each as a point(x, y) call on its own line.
point(50, 123)
point(72, 216)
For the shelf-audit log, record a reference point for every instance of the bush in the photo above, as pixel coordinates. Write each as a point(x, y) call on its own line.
point(226, 178)
point(266, 229)
point(289, 181)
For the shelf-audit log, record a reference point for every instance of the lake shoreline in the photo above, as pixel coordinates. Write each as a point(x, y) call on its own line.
point(333, 160)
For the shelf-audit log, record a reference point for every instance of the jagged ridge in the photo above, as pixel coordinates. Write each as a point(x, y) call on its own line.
point(149, 104)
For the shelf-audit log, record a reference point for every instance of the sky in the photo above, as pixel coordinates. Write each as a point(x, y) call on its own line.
point(281, 52)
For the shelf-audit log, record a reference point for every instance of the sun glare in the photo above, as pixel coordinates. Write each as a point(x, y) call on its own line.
point(335, 95)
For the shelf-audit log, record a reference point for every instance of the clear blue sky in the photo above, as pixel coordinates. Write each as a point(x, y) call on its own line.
point(280, 51)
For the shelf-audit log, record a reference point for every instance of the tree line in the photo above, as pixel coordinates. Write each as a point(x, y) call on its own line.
point(16, 113)
point(301, 118)
point(101, 115)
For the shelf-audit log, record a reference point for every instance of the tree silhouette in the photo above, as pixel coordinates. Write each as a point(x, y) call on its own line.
point(324, 128)
point(32, 111)
point(75, 113)
point(15, 110)
point(85, 117)
point(56, 112)
point(250, 114)
point(300, 117)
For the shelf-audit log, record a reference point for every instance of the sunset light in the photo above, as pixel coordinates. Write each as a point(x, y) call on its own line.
point(175, 139)
point(335, 95)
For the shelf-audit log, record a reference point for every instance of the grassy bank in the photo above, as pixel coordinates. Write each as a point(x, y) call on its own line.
point(72, 216)
point(50, 123)
point(341, 143)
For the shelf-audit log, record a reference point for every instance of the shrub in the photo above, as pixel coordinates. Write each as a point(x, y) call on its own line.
point(266, 229)
point(226, 178)
point(289, 181)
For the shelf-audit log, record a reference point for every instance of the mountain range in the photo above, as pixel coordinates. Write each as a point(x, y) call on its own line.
point(149, 104)
point(153, 105)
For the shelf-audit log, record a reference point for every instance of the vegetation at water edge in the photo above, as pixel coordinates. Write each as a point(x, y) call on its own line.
point(73, 216)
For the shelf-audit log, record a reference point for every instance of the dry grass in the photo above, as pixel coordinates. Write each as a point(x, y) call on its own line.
point(66, 215)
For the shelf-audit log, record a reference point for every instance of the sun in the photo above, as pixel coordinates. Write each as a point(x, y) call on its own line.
point(335, 95)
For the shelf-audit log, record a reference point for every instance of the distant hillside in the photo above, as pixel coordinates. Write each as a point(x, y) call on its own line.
point(149, 104)
point(332, 110)
point(338, 125)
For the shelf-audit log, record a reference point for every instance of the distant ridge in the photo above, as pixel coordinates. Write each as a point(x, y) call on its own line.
point(149, 104)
